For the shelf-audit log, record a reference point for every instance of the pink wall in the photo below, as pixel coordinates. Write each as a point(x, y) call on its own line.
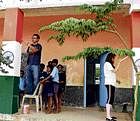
point(73, 45)
point(135, 16)
point(1, 28)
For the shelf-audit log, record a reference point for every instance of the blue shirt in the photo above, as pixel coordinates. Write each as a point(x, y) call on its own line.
point(54, 75)
point(22, 83)
point(35, 58)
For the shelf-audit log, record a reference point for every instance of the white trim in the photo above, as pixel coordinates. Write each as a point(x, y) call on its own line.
point(85, 76)
point(50, 3)
point(135, 5)
point(109, 94)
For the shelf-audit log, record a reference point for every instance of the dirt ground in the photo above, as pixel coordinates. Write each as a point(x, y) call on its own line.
point(67, 114)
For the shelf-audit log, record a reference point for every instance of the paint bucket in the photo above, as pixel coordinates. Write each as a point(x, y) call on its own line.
point(26, 109)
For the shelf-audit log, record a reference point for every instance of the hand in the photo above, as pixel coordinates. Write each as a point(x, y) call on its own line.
point(61, 82)
point(41, 78)
point(42, 82)
point(28, 44)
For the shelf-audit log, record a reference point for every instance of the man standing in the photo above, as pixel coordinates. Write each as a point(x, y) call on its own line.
point(34, 57)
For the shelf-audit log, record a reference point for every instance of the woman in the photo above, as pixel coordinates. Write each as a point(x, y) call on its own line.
point(110, 82)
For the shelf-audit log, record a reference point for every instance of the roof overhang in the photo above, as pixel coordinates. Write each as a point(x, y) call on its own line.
point(65, 10)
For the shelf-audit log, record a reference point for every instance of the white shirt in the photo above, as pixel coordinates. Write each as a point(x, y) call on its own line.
point(110, 75)
point(54, 74)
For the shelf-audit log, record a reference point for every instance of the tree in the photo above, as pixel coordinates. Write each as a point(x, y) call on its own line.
point(84, 28)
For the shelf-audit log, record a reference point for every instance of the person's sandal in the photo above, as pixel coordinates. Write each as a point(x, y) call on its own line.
point(113, 117)
point(107, 119)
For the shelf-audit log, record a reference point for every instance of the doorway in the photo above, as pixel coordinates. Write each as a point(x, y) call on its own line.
point(96, 92)
point(92, 81)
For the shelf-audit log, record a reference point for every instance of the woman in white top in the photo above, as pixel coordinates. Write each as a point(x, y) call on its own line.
point(110, 82)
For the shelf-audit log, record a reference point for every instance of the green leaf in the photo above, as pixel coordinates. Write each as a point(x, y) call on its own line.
point(96, 52)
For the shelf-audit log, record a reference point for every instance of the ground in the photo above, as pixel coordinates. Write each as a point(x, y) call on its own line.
point(68, 114)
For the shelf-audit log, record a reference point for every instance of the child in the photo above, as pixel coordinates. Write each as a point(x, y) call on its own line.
point(22, 84)
point(42, 73)
point(62, 84)
point(48, 89)
point(55, 79)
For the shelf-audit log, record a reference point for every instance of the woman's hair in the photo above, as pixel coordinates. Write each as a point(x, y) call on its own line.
point(109, 58)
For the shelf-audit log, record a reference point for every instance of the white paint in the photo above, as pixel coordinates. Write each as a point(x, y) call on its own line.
point(50, 3)
point(135, 5)
point(15, 48)
point(137, 56)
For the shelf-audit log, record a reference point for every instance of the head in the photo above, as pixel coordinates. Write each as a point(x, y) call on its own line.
point(54, 62)
point(60, 67)
point(21, 73)
point(42, 66)
point(35, 38)
point(50, 63)
point(49, 68)
point(110, 58)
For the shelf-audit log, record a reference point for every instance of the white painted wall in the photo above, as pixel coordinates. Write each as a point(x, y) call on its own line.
point(135, 5)
point(12, 47)
point(136, 57)
point(49, 3)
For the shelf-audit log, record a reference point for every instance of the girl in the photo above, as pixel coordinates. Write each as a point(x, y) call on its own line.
point(110, 82)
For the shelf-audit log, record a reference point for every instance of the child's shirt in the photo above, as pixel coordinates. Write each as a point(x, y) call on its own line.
point(22, 83)
point(54, 75)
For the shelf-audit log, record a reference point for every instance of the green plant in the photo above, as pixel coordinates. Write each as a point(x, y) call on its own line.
point(97, 72)
point(96, 52)
point(84, 28)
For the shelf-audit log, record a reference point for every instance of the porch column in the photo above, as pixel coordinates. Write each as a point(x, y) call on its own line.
point(10, 71)
point(135, 16)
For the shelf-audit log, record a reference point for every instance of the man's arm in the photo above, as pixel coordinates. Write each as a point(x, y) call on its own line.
point(45, 80)
point(31, 49)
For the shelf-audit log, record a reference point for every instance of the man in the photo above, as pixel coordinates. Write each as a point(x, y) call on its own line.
point(33, 63)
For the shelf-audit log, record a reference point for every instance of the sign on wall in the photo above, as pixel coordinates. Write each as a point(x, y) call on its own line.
point(11, 58)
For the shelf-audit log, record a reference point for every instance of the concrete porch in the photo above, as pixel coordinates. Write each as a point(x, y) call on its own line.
point(67, 114)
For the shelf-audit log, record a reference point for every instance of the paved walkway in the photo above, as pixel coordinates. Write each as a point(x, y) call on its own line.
point(69, 114)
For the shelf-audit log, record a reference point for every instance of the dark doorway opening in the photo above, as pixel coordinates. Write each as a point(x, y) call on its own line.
point(92, 81)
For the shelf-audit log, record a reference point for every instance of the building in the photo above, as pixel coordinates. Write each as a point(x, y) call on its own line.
point(43, 12)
